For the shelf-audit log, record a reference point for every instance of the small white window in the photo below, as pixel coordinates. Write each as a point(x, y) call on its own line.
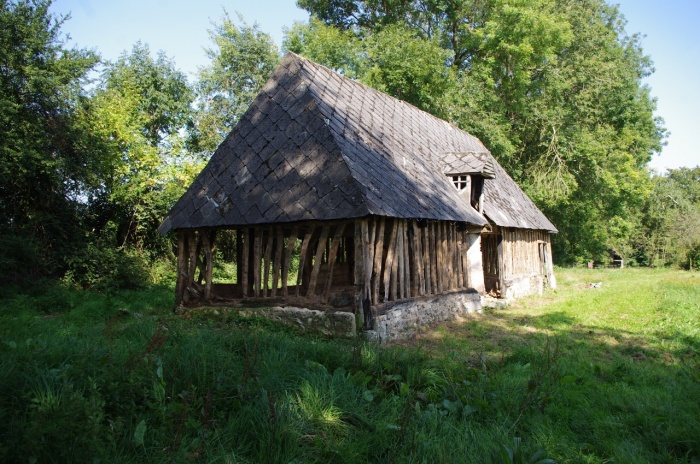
point(460, 182)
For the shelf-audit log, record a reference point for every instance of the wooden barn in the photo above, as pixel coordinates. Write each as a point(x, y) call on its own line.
point(342, 199)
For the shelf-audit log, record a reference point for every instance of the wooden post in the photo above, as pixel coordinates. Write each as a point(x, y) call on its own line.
point(291, 242)
point(501, 264)
point(245, 252)
point(401, 264)
point(257, 257)
point(192, 252)
point(419, 278)
point(277, 262)
point(377, 265)
point(368, 261)
point(389, 262)
point(208, 263)
point(439, 265)
point(337, 238)
point(426, 260)
point(302, 256)
point(320, 249)
point(362, 318)
point(266, 260)
point(432, 255)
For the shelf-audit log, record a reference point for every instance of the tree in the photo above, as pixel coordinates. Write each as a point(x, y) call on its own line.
point(141, 109)
point(242, 60)
point(671, 220)
point(46, 162)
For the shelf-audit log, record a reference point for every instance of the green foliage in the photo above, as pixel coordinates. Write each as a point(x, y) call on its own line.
point(139, 109)
point(102, 267)
point(242, 60)
point(671, 221)
point(44, 163)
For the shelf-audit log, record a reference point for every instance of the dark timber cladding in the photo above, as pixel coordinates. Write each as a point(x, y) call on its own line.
point(338, 196)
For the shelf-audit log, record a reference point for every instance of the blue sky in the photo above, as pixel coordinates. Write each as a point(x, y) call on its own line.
point(179, 28)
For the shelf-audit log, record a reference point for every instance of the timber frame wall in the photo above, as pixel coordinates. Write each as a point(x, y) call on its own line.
point(361, 265)
point(510, 253)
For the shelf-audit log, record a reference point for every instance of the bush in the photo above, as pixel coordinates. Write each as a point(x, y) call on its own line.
point(21, 260)
point(104, 268)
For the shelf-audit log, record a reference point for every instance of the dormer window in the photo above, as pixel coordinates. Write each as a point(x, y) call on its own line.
point(472, 185)
point(461, 182)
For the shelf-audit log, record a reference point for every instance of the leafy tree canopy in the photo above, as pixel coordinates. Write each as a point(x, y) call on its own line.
point(45, 160)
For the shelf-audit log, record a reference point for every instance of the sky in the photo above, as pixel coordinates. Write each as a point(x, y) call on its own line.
point(180, 29)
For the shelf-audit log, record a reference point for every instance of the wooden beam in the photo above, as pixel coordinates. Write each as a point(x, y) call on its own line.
point(368, 234)
point(302, 255)
point(377, 265)
point(332, 254)
point(389, 262)
point(419, 277)
point(277, 262)
point(244, 261)
point(257, 257)
point(208, 264)
point(266, 261)
point(291, 242)
point(362, 320)
point(320, 249)
point(426, 260)
point(192, 253)
point(401, 264)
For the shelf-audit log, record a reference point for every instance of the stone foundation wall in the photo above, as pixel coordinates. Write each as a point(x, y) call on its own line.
point(518, 287)
point(405, 319)
point(328, 324)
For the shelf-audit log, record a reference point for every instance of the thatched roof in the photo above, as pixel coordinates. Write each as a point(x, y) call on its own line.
point(315, 145)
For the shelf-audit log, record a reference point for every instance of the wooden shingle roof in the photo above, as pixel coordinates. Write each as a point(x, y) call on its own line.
point(315, 145)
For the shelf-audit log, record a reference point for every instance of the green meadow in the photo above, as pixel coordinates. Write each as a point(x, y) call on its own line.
point(578, 375)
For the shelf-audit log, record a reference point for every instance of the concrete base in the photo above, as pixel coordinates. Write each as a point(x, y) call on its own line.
point(328, 324)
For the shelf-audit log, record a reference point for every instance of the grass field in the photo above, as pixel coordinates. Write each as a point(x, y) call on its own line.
point(586, 375)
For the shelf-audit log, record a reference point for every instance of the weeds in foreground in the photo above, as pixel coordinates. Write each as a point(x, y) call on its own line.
point(102, 379)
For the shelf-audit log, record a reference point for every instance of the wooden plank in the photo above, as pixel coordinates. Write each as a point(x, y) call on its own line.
point(267, 257)
point(449, 256)
point(245, 253)
point(401, 281)
point(393, 292)
point(389, 262)
point(277, 261)
point(291, 242)
point(369, 230)
point(302, 255)
point(362, 318)
point(332, 254)
point(192, 252)
point(438, 259)
point(320, 249)
point(257, 258)
point(432, 257)
point(426, 260)
point(208, 264)
point(419, 276)
point(377, 265)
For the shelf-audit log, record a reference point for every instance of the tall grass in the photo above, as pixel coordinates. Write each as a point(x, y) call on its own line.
point(585, 375)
